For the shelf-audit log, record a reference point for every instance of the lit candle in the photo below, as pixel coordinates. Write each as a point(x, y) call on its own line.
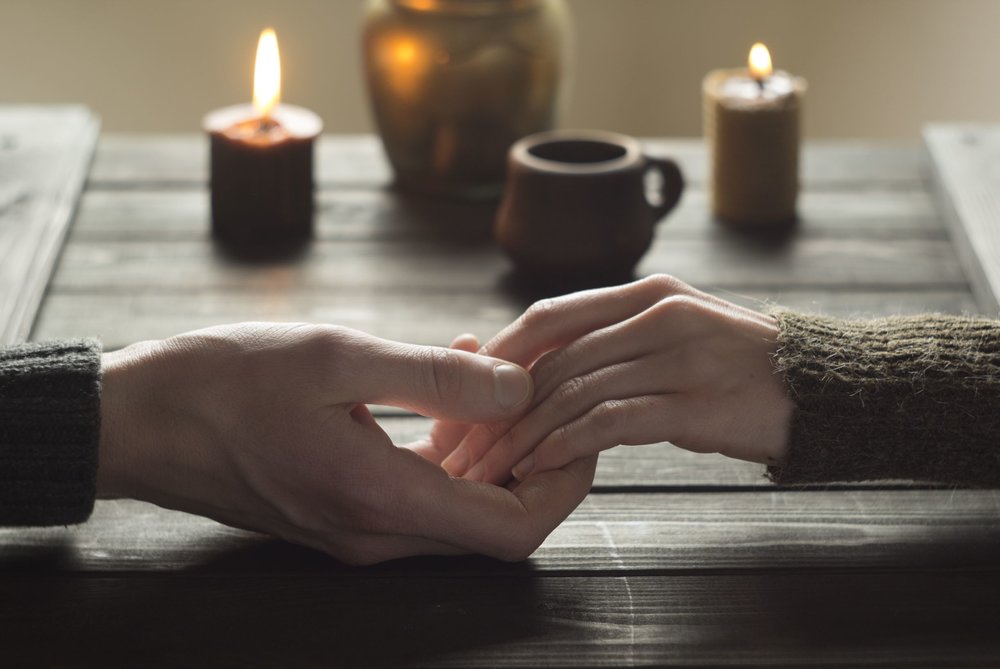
point(752, 124)
point(262, 164)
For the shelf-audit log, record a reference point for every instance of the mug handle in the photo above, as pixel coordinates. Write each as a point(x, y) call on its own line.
point(670, 189)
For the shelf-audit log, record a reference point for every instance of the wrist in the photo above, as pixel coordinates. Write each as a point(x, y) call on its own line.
point(111, 456)
point(780, 405)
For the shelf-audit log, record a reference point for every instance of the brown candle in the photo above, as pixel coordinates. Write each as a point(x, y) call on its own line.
point(262, 165)
point(752, 124)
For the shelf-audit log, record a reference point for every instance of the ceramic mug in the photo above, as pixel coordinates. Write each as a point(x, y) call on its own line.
point(576, 203)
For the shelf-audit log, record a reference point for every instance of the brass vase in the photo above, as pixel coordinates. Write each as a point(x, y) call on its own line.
point(454, 83)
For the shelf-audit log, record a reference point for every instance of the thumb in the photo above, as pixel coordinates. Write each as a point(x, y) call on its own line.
point(443, 383)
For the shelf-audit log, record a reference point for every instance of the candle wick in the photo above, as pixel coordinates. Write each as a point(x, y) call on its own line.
point(266, 124)
point(760, 85)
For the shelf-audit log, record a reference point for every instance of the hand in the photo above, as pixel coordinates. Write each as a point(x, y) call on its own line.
point(446, 435)
point(264, 427)
point(655, 360)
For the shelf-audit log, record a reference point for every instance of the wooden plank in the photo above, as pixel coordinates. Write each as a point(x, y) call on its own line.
point(44, 155)
point(360, 214)
point(966, 160)
point(125, 161)
point(655, 467)
point(868, 529)
point(422, 266)
point(856, 165)
point(506, 616)
point(182, 160)
point(121, 318)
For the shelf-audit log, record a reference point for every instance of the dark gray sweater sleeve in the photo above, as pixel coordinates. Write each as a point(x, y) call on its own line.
point(913, 398)
point(49, 431)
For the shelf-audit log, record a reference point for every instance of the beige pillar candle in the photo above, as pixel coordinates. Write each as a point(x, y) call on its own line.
point(751, 119)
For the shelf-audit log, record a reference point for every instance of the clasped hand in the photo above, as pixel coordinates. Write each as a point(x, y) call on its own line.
point(655, 360)
point(264, 427)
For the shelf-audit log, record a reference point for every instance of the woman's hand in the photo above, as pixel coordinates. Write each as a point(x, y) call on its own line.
point(655, 360)
point(264, 427)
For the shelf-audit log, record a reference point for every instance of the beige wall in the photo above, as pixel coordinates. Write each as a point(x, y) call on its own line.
point(876, 68)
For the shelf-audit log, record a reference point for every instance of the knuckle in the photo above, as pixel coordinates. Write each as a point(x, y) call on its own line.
point(677, 308)
point(305, 347)
point(445, 380)
point(608, 417)
point(492, 432)
point(561, 440)
point(546, 370)
point(572, 391)
point(540, 312)
point(666, 284)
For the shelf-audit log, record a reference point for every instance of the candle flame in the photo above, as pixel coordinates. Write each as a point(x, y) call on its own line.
point(267, 74)
point(760, 62)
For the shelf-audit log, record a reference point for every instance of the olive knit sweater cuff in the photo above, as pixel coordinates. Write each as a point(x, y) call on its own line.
point(914, 398)
point(49, 431)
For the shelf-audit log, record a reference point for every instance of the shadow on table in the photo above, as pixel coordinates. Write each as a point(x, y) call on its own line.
point(270, 604)
point(267, 603)
point(916, 617)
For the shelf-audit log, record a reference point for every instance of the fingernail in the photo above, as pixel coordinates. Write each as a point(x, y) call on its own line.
point(456, 463)
point(476, 473)
point(523, 468)
point(511, 385)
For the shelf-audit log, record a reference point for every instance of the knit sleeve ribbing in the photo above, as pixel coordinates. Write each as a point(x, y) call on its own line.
point(913, 398)
point(49, 432)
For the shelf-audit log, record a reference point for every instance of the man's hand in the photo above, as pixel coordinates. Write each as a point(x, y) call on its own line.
point(264, 427)
point(654, 360)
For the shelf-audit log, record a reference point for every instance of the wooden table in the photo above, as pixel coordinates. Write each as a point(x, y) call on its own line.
point(673, 558)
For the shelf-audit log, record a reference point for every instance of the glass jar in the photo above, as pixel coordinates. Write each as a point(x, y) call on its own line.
point(453, 83)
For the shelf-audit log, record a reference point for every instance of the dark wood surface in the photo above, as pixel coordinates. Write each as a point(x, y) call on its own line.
point(44, 156)
point(674, 558)
point(966, 160)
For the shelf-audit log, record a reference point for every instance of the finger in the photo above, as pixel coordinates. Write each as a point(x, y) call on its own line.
point(473, 446)
point(446, 435)
point(669, 336)
point(570, 400)
point(651, 331)
point(654, 330)
point(505, 524)
point(553, 323)
point(466, 342)
point(439, 382)
point(638, 420)
point(572, 370)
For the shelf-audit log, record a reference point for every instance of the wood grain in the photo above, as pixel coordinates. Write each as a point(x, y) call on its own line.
point(467, 613)
point(966, 160)
point(675, 558)
point(44, 155)
point(121, 318)
point(608, 532)
point(172, 161)
point(353, 214)
point(423, 266)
